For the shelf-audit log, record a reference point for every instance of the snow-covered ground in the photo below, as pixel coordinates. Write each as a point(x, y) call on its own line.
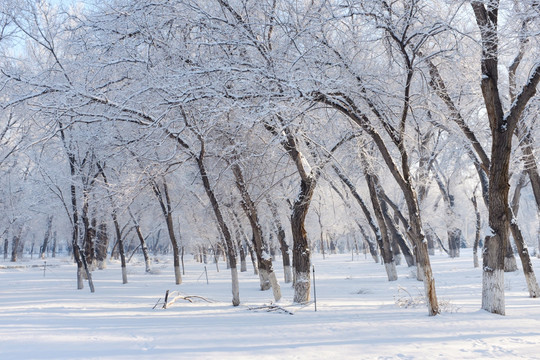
point(358, 317)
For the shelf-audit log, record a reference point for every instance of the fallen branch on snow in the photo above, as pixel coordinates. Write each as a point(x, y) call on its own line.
point(271, 308)
point(166, 302)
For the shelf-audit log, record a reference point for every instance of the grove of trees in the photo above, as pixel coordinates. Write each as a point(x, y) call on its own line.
point(258, 130)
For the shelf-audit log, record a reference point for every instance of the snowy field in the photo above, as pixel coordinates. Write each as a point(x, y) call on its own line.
point(358, 317)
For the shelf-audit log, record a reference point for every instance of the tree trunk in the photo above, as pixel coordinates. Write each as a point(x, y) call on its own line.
point(14, 248)
point(147, 261)
point(301, 251)
point(222, 225)
point(528, 272)
point(6, 246)
point(253, 258)
point(46, 237)
point(54, 245)
point(166, 209)
point(382, 236)
point(174, 244)
point(266, 271)
point(120, 244)
point(321, 237)
point(88, 233)
point(102, 244)
point(242, 252)
point(367, 243)
point(283, 246)
point(502, 128)
point(478, 227)
point(77, 256)
point(510, 264)
point(396, 235)
point(15, 244)
point(240, 239)
point(495, 243)
point(114, 215)
point(454, 241)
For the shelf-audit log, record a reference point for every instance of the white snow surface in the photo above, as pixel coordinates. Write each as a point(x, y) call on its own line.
point(358, 314)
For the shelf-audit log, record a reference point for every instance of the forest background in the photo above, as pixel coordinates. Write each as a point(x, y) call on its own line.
point(271, 130)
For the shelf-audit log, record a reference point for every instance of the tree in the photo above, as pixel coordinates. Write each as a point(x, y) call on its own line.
point(502, 125)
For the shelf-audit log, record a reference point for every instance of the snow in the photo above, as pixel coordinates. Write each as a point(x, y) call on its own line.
point(358, 314)
point(488, 232)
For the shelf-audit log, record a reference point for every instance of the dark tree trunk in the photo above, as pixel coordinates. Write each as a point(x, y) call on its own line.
point(114, 215)
point(266, 271)
point(89, 233)
point(54, 245)
point(502, 128)
point(164, 200)
point(478, 228)
point(528, 272)
point(175, 248)
point(120, 245)
point(253, 258)
point(147, 261)
point(241, 238)
point(78, 256)
point(367, 243)
point(221, 223)
point(396, 235)
point(383, 238)
point(284, 247)
point(46, 237)
point(102, 244)
point(15, 243)
point(301, 251)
